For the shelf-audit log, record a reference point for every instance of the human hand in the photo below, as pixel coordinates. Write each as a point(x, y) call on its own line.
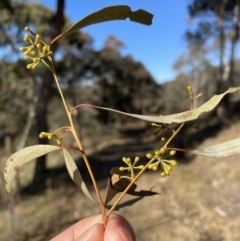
point(90, 229)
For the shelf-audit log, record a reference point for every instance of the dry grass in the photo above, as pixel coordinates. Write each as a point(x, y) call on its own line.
point(198, 202)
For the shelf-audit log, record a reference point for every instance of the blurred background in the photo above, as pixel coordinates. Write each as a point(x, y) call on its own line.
point(133, 68)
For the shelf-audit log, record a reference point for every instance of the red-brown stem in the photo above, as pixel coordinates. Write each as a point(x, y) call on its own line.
point(100, 201)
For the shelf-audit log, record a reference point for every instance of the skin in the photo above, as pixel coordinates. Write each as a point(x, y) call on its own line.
point(91, 229)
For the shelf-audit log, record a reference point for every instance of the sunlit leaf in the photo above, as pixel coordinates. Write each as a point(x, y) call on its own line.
point(75, 174)
point(179, 117)
point(18, 159)
point(222, 150)
point(120, 12)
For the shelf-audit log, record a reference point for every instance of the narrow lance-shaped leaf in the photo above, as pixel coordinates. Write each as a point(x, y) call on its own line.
point(75, 174)
point(120, 12)
point(179, 117)
point(222, 150)
point(18, 159)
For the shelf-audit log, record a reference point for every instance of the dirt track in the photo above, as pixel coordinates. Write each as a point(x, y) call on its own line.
point(198, 202)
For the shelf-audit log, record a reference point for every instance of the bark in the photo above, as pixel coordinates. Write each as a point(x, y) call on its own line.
point(44, 96)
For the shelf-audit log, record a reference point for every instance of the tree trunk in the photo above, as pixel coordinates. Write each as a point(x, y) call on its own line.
point(222, 109)
point(44, 96)
point(235, 37)
point(221, 39)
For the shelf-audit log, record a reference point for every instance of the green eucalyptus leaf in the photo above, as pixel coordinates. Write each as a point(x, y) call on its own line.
point(221, 150)
point(179, 117)
point(120, 12)
point(18, 159)
point(75, 174)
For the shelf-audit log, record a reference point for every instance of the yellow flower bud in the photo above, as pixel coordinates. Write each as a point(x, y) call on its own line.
point(161, 151)
point(163, 174)
point(36, 60)
point(164, 166)
point(26, 28)
point(172, 153)
point(50, 136)
point(23, 48)
point(29, 66)
point(26, 57)
point(39, 46)
point(163, 139)
point(124, 159)
point(172, 162)
point(149, 155)
point(136, 159)
point(189, 88)
point(169, 168)
point(37, 37)
point(26, 38)
point(35, 65)
point(33, 53)
point(157, 153)
point(155, 167)
point(122, 169)
point(43, 134)
point(44, 50)
point(150, 166)
point(59, 142)
point(29, 49)
point(50, 53)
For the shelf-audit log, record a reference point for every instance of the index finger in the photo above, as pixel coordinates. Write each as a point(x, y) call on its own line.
point(72, 233)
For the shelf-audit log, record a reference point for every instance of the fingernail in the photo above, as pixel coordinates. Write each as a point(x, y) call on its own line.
point(124, 234)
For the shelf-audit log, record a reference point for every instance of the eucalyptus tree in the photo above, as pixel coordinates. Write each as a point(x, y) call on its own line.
point(217, 20)
point(14, 78)
point(218, 25)
point(15, 81)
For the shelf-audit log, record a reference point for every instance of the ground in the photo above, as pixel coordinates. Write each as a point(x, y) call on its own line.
point(199, 201)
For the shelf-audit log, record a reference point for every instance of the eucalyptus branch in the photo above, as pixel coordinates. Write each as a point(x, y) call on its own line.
point(173, 135)
point(38, 51)
point(83, 153)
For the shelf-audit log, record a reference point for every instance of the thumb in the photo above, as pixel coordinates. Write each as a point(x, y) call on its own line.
point(118, 229)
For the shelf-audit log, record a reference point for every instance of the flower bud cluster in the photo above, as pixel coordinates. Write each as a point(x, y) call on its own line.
point(191, 93)
point(50, 136)
point(36, 51)
point(161, 162)
point(131, 167)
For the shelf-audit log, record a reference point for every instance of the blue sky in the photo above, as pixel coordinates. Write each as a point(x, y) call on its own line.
point(157, 46)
